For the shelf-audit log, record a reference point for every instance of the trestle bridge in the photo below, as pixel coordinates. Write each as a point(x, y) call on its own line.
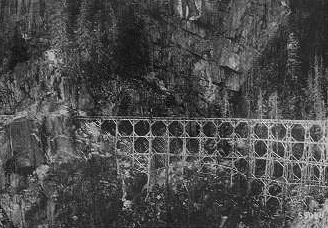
point(268, 154)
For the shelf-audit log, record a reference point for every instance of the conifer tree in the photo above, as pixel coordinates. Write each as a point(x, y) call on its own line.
point(226, 105)
point(275, 112)
point(261, 107)
point(318, 100)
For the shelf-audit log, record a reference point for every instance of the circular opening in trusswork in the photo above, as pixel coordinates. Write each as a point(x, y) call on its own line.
point(261, 131)
point(176, 146)
point(297, 150)
point(141, 145)
point(257, 187)
point(124, 145)
point(316, 152)
point(241, 165)
point(297, 171)
point(260, 167)
point(125, 127)
point(242, 130)
point(298, 132)
point(224, 147)
point(278, 131)
point(159, 145)
point(193, 146)
point(109, 127)
point(273, 205)
point(193, 129)
point(260, 148)
point(209, 129)
point(315, 173)
point(210, 146)
point(159, 161)
point(278, 149)
point(176, 128)
point(316, 133)
point(275, 189)
point(225, 130)
point(158, 128)
point(142, 128)
point(278, 170)
point(242, 147)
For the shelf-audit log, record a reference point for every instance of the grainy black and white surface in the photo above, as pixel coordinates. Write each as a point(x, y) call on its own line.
point(163, 113)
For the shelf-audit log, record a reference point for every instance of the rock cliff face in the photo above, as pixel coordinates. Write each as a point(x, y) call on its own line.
point(213, 42)
point(164, 58)
point(41, 153)
point(229, 37)
point(30, 145)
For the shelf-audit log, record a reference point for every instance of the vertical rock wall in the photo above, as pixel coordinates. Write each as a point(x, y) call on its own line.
point(40, 154)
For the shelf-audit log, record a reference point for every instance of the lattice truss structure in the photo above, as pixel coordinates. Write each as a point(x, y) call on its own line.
point(271, 155)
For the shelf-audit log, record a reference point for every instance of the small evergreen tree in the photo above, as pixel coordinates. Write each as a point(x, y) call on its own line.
point(316, 104)
point(226, 105)
point(275, 112)
point(261, 107)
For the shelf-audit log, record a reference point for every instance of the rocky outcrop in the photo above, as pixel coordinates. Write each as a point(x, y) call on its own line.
point(223, 40)
point(35, 144)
